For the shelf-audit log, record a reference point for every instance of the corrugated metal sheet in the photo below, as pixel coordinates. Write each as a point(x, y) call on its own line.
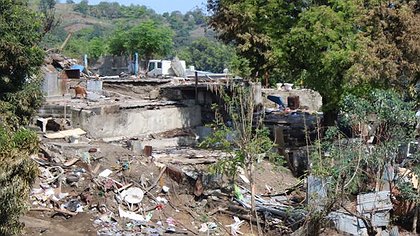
point(377, 201)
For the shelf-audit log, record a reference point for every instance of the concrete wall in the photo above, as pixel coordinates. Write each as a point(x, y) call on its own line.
point(136, 122)
point(307, 97)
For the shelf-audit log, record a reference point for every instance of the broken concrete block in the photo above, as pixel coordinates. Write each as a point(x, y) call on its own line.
point(110, 109)
point(93, 96)
point(154, 94)
point(94, 86)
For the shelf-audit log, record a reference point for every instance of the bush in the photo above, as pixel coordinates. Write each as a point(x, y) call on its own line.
point(17, 174)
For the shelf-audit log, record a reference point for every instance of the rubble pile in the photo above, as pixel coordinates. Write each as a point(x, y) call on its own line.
point(126, 193)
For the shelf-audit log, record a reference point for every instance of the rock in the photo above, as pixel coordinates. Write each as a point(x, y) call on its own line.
point(72, 178)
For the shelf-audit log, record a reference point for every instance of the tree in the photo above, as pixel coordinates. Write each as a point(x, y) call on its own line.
point(21, 30)
point(96, 48)
point(69, 2)
point(254, 27)
point(18, 173)
point(45, 5)
point(353, 165)
point(82, 7)
point(391, 47)
point(248, 136)
point(208, 55)
point(319, 50)
point(148, 39)
point(117, 43)
point(20, 58)
point(47, 8)
point(335, 47)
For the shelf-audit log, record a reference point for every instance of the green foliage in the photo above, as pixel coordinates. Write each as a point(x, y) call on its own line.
point(254, 27)
point(116, 43)
point(46, 5)
point(21, 30)
point(82, 7)
point(148, 38)
point(20, 58)
point(17, 174)
point(243, 137)
point(334, 47)
point(108, 18)
point(352, 164)
point(208, 55)
point(18, 107)
point(97, 47)
point(19, 54)
point(320, 48)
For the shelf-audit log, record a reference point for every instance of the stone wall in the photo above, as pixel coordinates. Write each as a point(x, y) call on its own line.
point(307, 97)
point(135, 122)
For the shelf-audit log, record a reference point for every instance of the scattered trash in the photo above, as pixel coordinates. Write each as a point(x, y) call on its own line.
point(207, 227)
point(73, 205)
point(131, 215)
point(244, 178)
point(162, 200)
point(51, 174)
point(72, 178)
point(234, 228)
point(105, 173)
point(165, 189)
point(86, 157)
point(171, 225)
point(93, 150)
point(132, 195)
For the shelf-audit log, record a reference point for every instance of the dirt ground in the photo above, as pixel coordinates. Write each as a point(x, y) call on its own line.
point(188, 211)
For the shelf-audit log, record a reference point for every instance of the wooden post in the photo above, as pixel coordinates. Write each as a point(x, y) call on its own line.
point(196, 87)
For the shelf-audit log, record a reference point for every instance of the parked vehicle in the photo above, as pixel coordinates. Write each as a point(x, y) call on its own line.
point(164, 68)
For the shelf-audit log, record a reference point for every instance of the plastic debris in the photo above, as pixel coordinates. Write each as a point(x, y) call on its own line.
point(105, 173)
point(171, 225)
point(130, 215)
point(132, 195)
point(162, 200)
point(165, 189)
point(73, 205)
point(203, 228)
point(234, 228)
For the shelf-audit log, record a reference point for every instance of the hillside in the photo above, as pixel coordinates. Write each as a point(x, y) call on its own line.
point(88, 22)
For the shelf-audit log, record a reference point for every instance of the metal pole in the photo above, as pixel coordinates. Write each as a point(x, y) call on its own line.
point(136, 64)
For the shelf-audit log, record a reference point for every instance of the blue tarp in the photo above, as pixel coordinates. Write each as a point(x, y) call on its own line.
point(277, 100)
point(78, 67)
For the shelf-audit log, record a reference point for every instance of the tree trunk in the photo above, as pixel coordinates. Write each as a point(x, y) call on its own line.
point(252, 186)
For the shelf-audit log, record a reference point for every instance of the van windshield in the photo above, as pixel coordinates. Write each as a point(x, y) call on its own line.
point(151, 66)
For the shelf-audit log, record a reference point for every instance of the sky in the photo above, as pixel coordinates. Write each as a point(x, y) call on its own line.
point(160, 6)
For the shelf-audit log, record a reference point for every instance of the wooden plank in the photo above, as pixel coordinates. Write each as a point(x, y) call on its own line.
point(65, 133)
